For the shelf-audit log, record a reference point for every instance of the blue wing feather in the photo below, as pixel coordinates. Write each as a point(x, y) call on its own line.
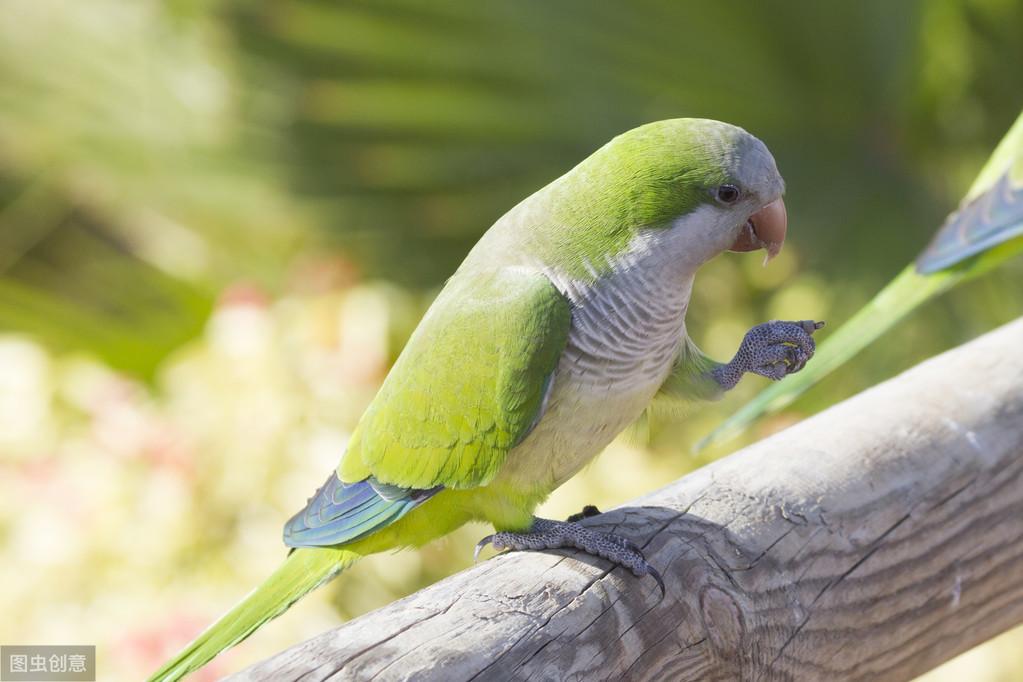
point(343, 512)
point(990, 219)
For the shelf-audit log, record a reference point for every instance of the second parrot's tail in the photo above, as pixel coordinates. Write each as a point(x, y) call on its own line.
point(304, 570)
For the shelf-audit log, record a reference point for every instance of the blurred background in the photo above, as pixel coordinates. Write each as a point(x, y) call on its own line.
point(219, 221)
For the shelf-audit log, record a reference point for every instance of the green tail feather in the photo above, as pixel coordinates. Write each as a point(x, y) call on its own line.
point(303, 571)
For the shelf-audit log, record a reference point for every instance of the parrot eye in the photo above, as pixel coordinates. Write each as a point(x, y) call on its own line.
point(728, 194)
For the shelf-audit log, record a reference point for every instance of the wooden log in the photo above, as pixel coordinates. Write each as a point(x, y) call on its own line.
point(870, 542)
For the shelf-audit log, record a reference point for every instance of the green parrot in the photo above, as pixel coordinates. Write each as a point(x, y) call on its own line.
point(983, 233)
point(560, 327)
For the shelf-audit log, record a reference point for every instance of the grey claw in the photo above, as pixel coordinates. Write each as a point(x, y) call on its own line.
point(778, 371)
point(810, 326)
point(587, 511)
point(799, 359)
point(479, 547)
point(655, 574)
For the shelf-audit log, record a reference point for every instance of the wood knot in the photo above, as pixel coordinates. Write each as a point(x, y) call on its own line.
point(723, 622)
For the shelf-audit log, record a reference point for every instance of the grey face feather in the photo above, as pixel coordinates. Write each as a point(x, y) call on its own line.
point(754, 168)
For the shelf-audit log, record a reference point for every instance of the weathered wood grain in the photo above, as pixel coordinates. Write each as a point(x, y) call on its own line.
point(871, 542)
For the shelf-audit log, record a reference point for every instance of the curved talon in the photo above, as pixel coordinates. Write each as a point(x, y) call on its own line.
point(479, 547)
point(587, 512)
point(775, 371)
point(797, 361)
point(655, 574)
point(802, 363)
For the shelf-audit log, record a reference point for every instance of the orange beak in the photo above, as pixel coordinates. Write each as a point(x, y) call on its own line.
point(765, 229)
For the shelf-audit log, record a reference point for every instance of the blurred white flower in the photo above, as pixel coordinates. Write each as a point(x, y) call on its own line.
point(25, 395)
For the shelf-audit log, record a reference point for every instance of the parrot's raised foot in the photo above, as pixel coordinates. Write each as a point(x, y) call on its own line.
point(548, 534)
point(773, 349)
point(587, 511)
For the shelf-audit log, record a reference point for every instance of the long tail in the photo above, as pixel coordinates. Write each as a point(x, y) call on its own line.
point(303, 571)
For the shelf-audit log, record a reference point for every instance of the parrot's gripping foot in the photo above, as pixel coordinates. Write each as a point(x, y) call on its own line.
point(548, 534)
point(773, 349)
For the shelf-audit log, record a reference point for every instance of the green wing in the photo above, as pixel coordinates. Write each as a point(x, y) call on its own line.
point(983, 234)
point(470, 384)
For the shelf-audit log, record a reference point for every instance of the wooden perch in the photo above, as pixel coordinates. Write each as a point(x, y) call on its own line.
point(870, 542)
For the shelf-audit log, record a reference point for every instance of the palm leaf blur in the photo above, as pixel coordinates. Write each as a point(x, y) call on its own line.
point(219, 222)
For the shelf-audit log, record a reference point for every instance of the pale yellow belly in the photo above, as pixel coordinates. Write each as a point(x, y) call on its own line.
point(579, 423)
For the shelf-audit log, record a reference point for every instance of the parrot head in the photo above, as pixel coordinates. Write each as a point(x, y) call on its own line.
point(701, 186)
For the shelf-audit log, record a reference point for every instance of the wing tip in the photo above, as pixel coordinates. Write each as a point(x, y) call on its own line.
point(331, 517)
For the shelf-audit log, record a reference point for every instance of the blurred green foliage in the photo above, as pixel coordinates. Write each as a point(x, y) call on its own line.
point(220, 220)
